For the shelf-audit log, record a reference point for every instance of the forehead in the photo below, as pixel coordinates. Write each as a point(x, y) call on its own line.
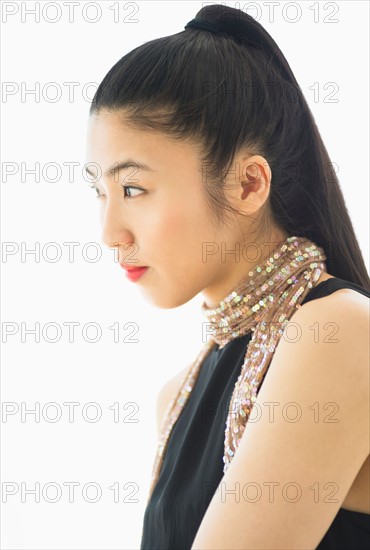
point(107, 133)
point(110, 139)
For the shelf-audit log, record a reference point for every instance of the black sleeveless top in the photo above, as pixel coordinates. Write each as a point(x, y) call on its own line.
point(192, 466)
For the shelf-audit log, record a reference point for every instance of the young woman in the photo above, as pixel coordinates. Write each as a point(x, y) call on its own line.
point(228, 190)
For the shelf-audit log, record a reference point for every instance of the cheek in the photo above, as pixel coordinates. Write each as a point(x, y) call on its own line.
point(183, 233)
point(185, 221)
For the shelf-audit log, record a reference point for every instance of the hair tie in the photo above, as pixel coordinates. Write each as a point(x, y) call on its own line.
point(202, 24)
point(236, 28)
point(244, 33)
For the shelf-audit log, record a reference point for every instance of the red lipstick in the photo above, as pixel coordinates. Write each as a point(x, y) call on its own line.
point(133, 273)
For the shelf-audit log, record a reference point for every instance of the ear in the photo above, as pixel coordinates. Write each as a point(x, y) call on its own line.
point(252, 186)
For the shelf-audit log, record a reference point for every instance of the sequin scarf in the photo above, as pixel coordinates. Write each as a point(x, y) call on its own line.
point(263, 302)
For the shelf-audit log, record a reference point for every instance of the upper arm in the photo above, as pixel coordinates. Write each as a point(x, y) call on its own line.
point(310, 436)
point(166, 393)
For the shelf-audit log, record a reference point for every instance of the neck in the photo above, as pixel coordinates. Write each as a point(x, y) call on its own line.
point(252, 255)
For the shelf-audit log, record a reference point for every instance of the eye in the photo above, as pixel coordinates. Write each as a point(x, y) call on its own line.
point(129, 196)
point(124, 187)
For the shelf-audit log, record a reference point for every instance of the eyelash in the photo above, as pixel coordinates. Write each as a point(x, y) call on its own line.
point(98, 194)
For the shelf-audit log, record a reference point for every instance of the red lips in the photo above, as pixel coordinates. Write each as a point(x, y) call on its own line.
point(134, 273)
point(132, 267)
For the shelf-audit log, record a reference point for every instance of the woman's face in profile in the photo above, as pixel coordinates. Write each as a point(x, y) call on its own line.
point(162, 219)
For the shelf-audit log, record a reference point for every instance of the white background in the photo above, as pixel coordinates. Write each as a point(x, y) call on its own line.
point(39, 130)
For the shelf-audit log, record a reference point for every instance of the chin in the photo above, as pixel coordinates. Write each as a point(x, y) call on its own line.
point(166, 301)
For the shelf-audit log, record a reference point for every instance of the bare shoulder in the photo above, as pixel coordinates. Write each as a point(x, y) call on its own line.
point(335, 328)
point(168, 391)
point(344, 309)
point(333, 297)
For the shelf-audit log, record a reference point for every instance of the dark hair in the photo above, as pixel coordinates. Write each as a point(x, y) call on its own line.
point(225, 93)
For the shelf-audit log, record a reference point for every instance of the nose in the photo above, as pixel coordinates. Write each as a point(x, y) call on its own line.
point(115, 232)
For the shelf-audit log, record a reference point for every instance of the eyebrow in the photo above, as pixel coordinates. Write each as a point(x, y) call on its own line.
point(122, 166)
